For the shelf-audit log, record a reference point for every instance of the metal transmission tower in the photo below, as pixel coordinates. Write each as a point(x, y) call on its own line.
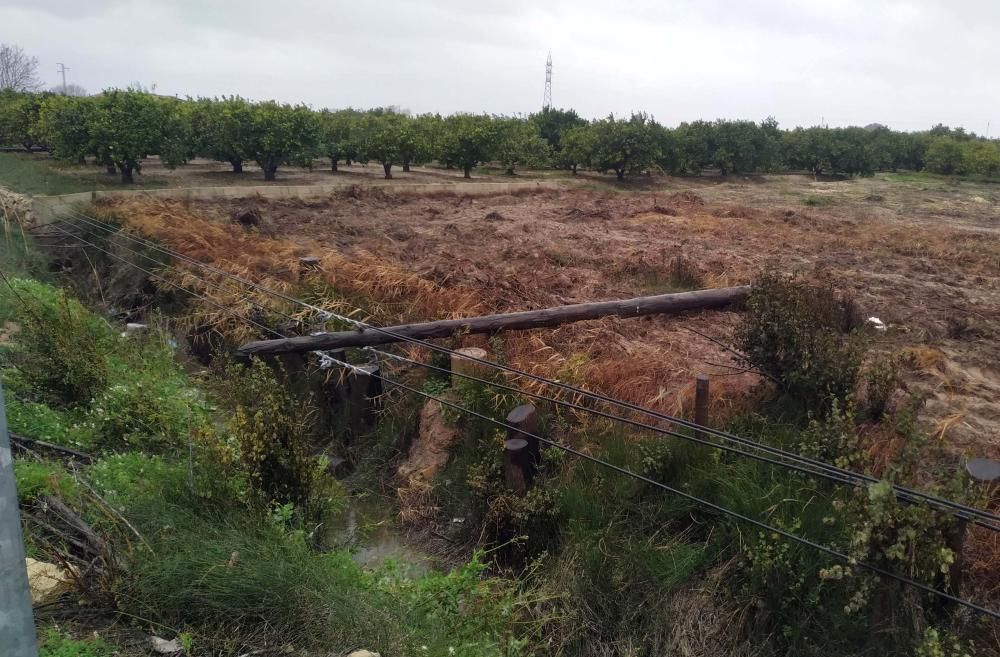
point(547, 99)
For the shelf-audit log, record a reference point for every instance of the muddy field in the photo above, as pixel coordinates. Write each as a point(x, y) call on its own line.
point(920, 254)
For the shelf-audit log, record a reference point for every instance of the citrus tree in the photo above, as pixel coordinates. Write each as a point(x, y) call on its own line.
point(944, 155)
point(126, 126)
point(625, 147)
point(221, 129)
point(282, 134)
point(467, 140)
point(575, 148)
point(63, 124)
point(339, 135)
point(518, 143)
point(383, 137)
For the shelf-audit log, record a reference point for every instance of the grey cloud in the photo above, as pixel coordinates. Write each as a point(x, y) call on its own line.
point(907, 63)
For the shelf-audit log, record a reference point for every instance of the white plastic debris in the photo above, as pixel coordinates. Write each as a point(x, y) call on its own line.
point(165, 647)
point(877, 323)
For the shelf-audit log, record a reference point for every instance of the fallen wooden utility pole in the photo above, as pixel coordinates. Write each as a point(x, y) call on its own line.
point(530, 319)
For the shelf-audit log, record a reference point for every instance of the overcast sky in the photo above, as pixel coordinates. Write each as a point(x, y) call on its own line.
point(907, 64)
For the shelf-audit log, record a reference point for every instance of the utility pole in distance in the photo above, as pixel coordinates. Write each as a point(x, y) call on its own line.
point(547, 98)
point(62, 69)
point(17, 626)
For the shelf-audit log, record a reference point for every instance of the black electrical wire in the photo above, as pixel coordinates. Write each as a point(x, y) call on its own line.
point(843, 475)
point(692, 498)
point(179, 287)
point(739, 516)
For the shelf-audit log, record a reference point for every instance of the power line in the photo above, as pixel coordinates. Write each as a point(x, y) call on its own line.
point(547, 97)
point(62, 69)
point(715, 507)
point(692, 498)
point(829, 471)
point(228, 311)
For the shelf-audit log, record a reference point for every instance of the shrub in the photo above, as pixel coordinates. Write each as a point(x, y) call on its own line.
point(881, 381)
point(804, 336)
point(271, 429)
point(62, 346)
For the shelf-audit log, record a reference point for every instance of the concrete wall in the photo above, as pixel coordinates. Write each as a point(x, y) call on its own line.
point(50, 208)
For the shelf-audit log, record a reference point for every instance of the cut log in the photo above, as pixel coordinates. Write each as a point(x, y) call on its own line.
point(531, 319)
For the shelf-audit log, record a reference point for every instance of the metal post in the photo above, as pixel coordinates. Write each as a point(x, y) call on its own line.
point(17, 625)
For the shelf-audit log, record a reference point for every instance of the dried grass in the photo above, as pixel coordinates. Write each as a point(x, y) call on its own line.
point(343, 282)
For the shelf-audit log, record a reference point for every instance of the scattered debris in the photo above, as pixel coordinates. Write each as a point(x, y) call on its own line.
point(494, 216)
point(364, 653)
point(47, 581)
point(877, 323)
point(164, 647)
point(247, 216)
point(135, 327)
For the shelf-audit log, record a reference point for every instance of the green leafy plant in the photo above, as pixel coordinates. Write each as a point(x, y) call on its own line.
point(56, 644)
point(62, 346)
point(804, 336)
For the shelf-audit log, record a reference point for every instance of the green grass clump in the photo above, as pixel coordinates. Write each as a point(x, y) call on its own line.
point(56, 644)
point(818, 201)
point(34, 478)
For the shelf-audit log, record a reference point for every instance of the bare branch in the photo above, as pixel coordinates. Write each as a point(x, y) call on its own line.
point(18, 71)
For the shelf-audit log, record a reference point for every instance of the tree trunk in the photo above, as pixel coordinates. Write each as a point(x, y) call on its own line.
point(237, 165)
point(468, 171)
point(110, 168)
point(269, 171)
point(347, 161)
point(406, 166)
point(531, 319)
point(387, 167)
point(333, 164)
point(509, 171)
point(126, 169)
point(573, 167)
point(620, 173)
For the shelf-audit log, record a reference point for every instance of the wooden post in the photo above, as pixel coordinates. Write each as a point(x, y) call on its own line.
point(525, 419)
point(981, 471)
point(516, 465)
point(956, 572)
point(701, 399)
point(365, 391)
point(463, 365)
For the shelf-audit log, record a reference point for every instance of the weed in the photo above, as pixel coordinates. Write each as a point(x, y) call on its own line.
point(818, 201)
point(62, 346)
point(881, 381)
point(34, 478)
point(56, 644)
point(270, 429)
point(804, 336)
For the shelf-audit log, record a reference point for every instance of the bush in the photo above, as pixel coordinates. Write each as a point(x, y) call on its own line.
point(62, 346)
point(804, 336)
point(149, 402)
point(271, 430)
point(881, 381)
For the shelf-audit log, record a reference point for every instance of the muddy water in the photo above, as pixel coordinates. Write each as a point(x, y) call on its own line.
point(373, 538)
